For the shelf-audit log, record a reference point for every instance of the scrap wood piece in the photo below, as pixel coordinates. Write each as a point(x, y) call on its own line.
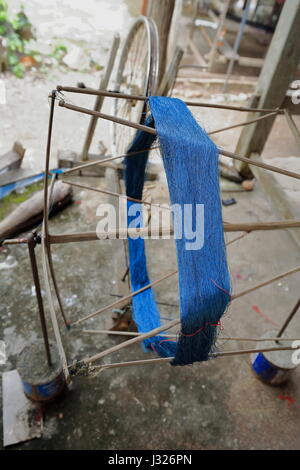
point(13, 158)
point(70, 159)
point(22, 418)
point(18, 175)
point(30, 212)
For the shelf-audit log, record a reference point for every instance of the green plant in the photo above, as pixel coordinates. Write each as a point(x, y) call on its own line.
point(59, 52)
point(16, 33)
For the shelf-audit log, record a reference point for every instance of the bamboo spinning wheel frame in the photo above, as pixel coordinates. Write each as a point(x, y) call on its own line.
point(130, 116)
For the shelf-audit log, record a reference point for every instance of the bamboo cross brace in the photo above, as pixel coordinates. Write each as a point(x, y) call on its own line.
point(223, 338)
point(111, 94)
point(154, 332)
point(130, 342)
point(162, 360)
point(111, 193)
point(109, 159)
point(150, 130)
point(132, 294)
point(142, 232)
point(240, 124)
point(125, 298)
point(122, 333)
point(266, 283)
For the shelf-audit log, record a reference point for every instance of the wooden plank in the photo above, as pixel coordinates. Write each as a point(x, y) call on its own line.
point(196, 53)
point(278, 71)
point(281, 203)
point(222, 18)
point(22, 418)
point(13, 158)
point(292, 126)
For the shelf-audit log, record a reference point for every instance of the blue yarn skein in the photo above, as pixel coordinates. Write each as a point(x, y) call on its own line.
point(190, 160)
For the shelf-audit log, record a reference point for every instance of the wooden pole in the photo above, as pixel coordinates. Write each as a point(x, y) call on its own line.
point(278, 71)
point(213, 51)
point(144, 232)
point(162, 12)
point(99, 100)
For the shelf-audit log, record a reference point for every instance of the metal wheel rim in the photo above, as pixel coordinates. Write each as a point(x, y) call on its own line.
point(149, 85)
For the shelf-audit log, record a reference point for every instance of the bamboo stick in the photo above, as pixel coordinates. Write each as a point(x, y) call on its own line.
point(223, 338)
point(288, 319)
point(265, 166)
point(266, 283)
point(128, 232)
point(123, 299)
point(130, 342)
point(240, 124)
point(111, 193)
point(105, 160)
point(153, 131)
point(111, 94)
point(109, 159)
point(162, 360)
point(108, 117)
point(173, 322)
point(121, 333)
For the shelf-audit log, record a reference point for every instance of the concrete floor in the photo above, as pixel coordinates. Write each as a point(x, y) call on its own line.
point(215, 405)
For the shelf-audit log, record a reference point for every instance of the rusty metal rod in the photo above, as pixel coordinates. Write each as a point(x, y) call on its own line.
point(35, 275)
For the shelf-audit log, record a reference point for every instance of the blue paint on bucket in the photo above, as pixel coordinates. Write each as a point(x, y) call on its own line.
point(40, 381)
point(46, 391)
point(272, 366)
point(263, 368)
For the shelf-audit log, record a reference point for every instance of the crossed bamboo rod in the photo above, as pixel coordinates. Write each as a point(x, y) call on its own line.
point(132, 294)
point(162, 360)
point(113, 94)
point(166, 276)
point(123, 233)
point(151, 130)
point(111, 193)
point(223, 338)
point(130, 154)
point(160, 329)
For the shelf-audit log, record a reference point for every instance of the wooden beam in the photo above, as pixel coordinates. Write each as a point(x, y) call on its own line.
point(281, 203)
point(213, 52)
point(162, 13)
point(279, 69)
point(13, 158)
point(99, 99)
